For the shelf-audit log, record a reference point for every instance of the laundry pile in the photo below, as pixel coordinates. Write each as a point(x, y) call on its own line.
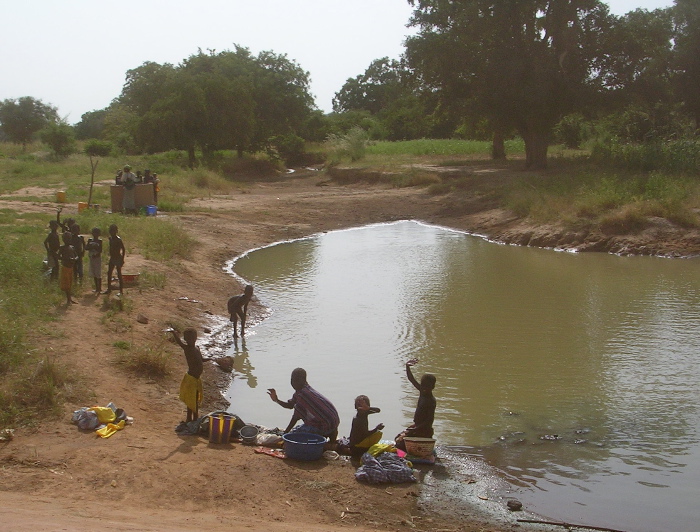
point(104, 420)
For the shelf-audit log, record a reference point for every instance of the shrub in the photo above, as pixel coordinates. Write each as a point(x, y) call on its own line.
point(351, 145)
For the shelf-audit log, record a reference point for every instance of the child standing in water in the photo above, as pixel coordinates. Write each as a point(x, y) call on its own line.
point(117, 252)
point(191, 385)
point(425, 409)
point(94, 249)
point(67, 257)
point(238, 308)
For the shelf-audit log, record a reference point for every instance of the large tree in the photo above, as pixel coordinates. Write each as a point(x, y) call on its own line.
point(22, 118)
point(687, 22)
point(213, 101)
point(519, 63)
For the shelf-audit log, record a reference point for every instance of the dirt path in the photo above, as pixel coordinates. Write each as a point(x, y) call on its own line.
point(54, 477)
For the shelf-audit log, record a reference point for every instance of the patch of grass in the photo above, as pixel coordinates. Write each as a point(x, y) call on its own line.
point(415, 178)
point(439, 189)
point(122, 344)
point(151, 361)
point(152, 280)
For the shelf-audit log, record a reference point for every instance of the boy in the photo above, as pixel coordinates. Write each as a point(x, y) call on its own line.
point(117, 252)
point(361, 438)
point(79, 246)
point(238, 308)
point(52, 243)
point(94, 249)
point(191, 385)
point(425, 409)
point(67, 256)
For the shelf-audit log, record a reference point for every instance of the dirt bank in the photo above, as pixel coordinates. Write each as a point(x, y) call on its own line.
point(54, 477)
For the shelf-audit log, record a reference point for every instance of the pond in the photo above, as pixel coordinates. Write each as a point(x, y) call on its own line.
point(576, 376)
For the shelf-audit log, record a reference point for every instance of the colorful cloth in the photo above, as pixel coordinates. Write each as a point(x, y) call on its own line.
point(386, 467)
point(66, 282)
point(315, 410)
point(191, 392)
point(110, 428)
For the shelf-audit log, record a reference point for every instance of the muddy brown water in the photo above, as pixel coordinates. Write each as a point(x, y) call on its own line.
point(575, 377)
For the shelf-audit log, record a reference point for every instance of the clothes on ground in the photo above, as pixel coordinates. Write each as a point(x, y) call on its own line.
point(385, 467)
point(316, 411)
point(191, 391)
point(104, 420)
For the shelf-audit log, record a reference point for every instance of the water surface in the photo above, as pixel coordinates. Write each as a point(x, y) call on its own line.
point(576, 375)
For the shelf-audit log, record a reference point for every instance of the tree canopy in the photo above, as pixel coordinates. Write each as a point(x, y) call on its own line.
point(521, 64)
point(22, 118)
point(214, 101)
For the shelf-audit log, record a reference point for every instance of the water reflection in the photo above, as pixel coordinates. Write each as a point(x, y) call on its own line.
point(576, 375)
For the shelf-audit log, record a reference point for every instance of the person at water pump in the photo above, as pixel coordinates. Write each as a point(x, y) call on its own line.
point(238, 308)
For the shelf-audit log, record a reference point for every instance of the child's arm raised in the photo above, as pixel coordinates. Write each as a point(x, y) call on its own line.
point(409, 374)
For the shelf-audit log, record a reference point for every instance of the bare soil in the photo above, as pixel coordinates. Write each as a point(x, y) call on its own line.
point(145, 477)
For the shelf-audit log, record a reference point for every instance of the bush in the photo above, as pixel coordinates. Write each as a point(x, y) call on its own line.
point(352, 145)
point(98, 148)
point(60, 138)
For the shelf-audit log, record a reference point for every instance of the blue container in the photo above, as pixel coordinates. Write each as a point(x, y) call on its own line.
point(303, 446)
point(151, 210)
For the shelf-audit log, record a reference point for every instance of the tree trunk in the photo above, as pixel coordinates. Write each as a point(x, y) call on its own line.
point(190, 157)
point(536, 146)
point(498, 148)
point(93, 167)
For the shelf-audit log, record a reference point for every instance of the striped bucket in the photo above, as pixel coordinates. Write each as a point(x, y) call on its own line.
point(220, 427)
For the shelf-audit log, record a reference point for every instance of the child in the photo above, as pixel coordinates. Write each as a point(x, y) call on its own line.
point(79, 246)
point(191, 386)
point(67, 256)
point(238, 308)
point(94, 249)
point(361, 438)
point(425, 409)
point(117, 252)
point(52, 243)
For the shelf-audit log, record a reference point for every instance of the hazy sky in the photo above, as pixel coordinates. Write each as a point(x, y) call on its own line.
point(74, 54)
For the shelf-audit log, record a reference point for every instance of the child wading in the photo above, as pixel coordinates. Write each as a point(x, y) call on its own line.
point(422, 426)
point(238, 308)
point(67, 256)
point(117, 251)
point(94, 249)
point(191, 385)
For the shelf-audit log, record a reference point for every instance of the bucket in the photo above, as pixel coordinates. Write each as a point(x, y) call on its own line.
point(419, 447)
point(249, 434)
point(151, 210)
point(220, 427)
point(82, 206)
point(303, 446)
point(61, 196)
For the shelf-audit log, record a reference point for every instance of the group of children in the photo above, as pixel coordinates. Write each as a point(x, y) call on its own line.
point(67, 258)
point(315, 406)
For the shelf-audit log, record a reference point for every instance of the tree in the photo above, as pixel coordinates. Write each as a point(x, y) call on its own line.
point(22, 118)
point(214, 101)
point(91, 125)
point(521, 64)
point(95, 148)
point(60, 138)
point(636, 66)
point(686, 15)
